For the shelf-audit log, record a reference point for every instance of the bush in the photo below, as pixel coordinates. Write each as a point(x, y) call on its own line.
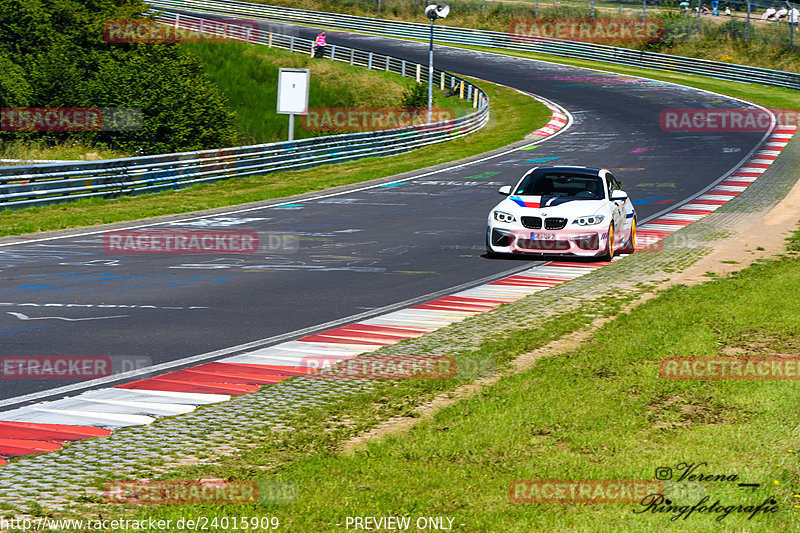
point(416, 96)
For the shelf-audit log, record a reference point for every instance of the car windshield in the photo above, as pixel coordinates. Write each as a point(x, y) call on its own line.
point(575, 186)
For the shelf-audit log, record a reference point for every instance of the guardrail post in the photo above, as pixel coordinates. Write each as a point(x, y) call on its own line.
point(387, 63)
point(469, 92)
point(352, 55)
point(177, 21)
point(369, 61)
point(291, 43)
point(419, 69)
point(461, 91)
point(441, 81)
point(333, 52)
point(247, 37)
point(475, 100)
point(269, 40)
point(403, 68)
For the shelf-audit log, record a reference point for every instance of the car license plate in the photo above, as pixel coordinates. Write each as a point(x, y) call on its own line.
point(542, 236)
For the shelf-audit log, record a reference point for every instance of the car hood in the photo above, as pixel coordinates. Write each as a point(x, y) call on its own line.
point(550, 206)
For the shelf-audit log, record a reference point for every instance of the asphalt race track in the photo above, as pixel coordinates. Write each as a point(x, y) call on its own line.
point(355, 252)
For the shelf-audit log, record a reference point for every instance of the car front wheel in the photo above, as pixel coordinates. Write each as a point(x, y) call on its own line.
point(630, 246)
point(609, 253)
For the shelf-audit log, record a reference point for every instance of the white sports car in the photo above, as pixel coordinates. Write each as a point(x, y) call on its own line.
point(563, 210)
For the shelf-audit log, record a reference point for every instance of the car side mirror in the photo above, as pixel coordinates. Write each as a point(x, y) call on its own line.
point(505, 190)
point(619, 195)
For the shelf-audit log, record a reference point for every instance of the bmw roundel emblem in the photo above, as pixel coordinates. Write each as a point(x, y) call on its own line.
point(544, 214)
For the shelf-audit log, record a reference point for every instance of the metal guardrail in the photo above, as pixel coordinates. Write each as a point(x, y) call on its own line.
point(22, 186)
point(493, 39)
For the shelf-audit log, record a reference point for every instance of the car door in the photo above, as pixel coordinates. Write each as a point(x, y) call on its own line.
point(618, 206)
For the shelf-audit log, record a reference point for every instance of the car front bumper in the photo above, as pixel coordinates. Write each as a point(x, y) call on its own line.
point(579, 242)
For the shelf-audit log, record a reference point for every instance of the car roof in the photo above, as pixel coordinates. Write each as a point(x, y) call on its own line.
point(601, 173)
point(586, 171)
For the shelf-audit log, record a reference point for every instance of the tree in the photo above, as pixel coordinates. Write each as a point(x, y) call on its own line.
point(53, 54)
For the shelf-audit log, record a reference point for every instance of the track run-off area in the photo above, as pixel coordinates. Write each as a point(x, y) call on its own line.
point(344, 272)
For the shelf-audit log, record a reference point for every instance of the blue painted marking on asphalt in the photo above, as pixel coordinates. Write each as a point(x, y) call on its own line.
point(64, 283)
point(649, 200)
point(21, 330)
point(544, 159)
point(393, 184)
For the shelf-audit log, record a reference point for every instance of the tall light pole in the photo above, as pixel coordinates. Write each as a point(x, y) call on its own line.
point(433, 12)
point(747, 38)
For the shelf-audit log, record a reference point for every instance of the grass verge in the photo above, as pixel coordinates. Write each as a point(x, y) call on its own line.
point(520, 115)
point(600, 412)
point(67, 151)
point(248, 75)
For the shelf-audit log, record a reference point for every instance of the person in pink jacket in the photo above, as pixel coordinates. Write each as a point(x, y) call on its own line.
point(319, 45)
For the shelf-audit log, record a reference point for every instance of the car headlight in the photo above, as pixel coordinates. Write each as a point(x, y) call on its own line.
point(589, 220)
point(504, 217)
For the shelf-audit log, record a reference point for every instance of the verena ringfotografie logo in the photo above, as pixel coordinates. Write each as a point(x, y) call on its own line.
point(70, 119)
point(382, 367)
point(735, 368)
point(370, 119)
point(582, 490)
point(150, 31)
point(725, 120)
point(198, 242)
point(590, 30)
point(75, 367)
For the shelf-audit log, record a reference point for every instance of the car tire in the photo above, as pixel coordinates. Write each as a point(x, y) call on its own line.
point(609, 253)
point(630, 246)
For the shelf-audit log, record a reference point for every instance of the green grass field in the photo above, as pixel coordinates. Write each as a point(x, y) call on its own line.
point(600, 412)
point(249, 77)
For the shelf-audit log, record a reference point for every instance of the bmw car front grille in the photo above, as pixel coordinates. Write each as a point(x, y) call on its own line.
point(532, 222)
point(554, 223)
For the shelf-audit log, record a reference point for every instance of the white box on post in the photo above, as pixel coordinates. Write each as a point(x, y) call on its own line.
point(293, 84)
